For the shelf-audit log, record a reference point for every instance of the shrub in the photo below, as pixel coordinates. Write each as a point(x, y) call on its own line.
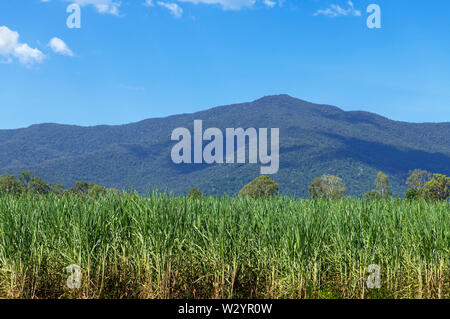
point(373, 195)
point(10, 185)
point(80, 188)
point(58, 189)
point(96, 190)
point(194, 193)
point(84, 188)
point(412, 194)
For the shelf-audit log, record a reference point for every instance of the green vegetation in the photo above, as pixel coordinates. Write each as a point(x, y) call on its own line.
point(314, 140)
point(382, 185)
point(28, 183)
point(83, 188)
point(382, 188)
point(262, 186)
point(171, 247)
point(194, 193)
point(256, 245)
point(417, 180)
point(327, 186)
point(438, 187)
point(423, 184)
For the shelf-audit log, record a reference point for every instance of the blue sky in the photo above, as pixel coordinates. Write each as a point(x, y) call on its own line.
point(132, 60)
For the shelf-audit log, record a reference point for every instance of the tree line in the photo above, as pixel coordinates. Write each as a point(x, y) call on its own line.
point(28, 183)
point(421, 184)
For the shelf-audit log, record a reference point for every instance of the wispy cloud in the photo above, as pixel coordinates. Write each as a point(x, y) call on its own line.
point(148, 3)
point(335, 10)
point(102, 6)
point(270, 3)
point(225, 4)
point(174, 8)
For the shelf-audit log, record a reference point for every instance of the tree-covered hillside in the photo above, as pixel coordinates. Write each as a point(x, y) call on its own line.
point(314, 140)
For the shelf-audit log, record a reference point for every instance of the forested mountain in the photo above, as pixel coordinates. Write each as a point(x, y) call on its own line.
point(314, 140)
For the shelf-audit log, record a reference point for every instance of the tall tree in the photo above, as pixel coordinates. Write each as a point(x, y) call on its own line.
point(334, 186)
point(382, 185)
point(438, 187)
point(316, 188)
point(262, 186)
point(34, 184)
point(417, 180)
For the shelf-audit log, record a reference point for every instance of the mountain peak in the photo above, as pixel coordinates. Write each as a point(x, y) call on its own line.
point(314, 139)
point(277, 97)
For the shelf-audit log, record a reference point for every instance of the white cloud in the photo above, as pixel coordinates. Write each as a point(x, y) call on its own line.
point(226, 4)
point(148, 3)
point(335, 10)
point(27, 55)
point(59, 46)
point(8, 40)
point(174, 8)
point(102, 6)
point(270, 3)
point(112, 6)
point(11, 47)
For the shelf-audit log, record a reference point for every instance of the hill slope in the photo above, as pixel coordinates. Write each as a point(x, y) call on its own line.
point(314, 139)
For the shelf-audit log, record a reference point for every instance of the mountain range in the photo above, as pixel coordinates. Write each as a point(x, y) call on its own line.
point(315, 139)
